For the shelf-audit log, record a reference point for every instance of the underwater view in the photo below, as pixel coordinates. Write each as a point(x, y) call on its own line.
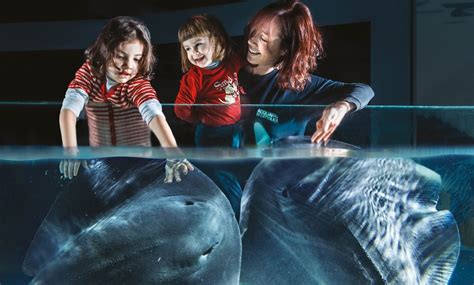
point(352, 211)
point(336, 218)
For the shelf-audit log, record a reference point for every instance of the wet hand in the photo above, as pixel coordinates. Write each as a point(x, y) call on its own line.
point(175, 167)
point(70, 168)
point(330, 120)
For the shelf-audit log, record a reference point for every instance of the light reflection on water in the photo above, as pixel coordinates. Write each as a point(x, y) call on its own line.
point(28, 153)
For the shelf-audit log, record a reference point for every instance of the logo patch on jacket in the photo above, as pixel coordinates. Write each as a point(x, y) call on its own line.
point(272, 117)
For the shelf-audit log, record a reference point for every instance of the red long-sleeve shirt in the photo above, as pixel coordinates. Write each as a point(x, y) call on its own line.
point(218, 87)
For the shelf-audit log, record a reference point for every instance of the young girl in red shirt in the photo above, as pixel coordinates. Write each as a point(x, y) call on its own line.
point(209, 93)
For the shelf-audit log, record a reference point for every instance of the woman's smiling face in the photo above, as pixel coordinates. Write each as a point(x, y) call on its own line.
point(264, 47)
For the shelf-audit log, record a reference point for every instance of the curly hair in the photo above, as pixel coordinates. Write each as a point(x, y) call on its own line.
point(300, 38)
point(204, 25)
point(117, 31)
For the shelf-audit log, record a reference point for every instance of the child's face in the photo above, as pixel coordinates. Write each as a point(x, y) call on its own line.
point(199, 50)
point(125, 61)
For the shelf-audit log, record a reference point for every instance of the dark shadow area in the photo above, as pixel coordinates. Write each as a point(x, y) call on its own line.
point(56, 10)
point(433, 131)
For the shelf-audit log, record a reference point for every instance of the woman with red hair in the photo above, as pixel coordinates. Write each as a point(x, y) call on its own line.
point(283, 45)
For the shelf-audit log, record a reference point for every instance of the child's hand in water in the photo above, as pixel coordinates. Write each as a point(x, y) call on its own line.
point(174, 168)
point(70, 168)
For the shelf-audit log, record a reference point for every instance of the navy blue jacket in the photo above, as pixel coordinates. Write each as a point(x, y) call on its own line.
point(284, 121)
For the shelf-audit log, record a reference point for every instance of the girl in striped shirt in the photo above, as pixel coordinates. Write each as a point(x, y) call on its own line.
point(113, 86)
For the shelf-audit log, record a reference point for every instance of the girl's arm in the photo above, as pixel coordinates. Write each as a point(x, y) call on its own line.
point(174, 167)
point(67, 124)
point(143, 95)
point(162, 131)
point(73, 103)
point(186, 97)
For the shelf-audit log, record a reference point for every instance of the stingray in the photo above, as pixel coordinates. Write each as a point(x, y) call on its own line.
point(345, 221)
point(458, 190)
point(118, 223)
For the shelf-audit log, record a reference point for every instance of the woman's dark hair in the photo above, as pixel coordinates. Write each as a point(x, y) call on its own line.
point(204, 25)
point(117, 31)
point(301, 41)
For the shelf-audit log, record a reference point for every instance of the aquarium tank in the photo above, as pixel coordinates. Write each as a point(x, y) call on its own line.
point(389, 199)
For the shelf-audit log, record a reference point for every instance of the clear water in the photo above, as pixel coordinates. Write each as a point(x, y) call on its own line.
point(31, 182)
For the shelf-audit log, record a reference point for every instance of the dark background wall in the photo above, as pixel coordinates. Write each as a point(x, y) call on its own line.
point(390, 34)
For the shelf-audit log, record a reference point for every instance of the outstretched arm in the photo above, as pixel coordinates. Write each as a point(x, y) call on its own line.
point(74, 101)
point(67, 123)
point(162, 131)
point(151, 110)
point(342, 99)
point(173, 167)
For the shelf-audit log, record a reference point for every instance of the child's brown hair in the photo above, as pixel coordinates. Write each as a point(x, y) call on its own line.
point(116, 31)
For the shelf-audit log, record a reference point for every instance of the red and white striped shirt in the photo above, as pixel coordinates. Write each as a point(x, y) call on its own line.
point(112, 115)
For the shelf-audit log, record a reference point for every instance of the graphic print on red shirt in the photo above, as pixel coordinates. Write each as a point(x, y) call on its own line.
point(219, 88)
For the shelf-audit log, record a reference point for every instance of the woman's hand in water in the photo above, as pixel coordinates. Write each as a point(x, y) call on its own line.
point(330, 120)
point(174, 168)
point(70, 168)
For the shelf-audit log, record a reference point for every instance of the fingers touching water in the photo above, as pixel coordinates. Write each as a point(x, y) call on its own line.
point(175, 167)
point(330, 120)
point(70, 168)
